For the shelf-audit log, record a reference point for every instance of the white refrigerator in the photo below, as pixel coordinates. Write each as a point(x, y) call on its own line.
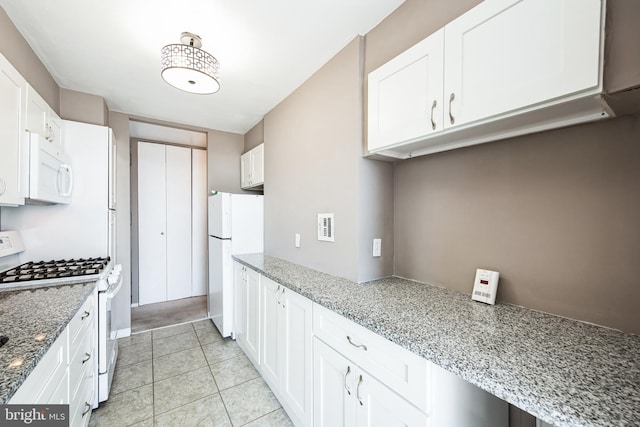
point(235, 226)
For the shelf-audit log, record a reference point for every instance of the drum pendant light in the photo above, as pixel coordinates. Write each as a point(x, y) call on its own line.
point(189, 68)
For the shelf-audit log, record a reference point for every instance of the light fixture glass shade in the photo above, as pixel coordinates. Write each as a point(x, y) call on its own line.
point(190, 69)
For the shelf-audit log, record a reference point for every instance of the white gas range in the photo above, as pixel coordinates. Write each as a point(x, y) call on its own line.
point(107, 276)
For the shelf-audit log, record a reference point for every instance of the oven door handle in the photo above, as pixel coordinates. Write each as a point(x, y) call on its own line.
point(113, 290)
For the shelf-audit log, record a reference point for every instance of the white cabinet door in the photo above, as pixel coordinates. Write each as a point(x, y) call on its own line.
point(507, 54)
point(41, 119)
point(13, 159)
point(296, 355)
point(378, 406)
point(239, 305)
point(152, 225)
point(271, 314)
point(178, 209)
point(245, 170)
point(333, 390)
point(199, 222)
point(405, 95)
point(257, 165)
point(252, 167)
point(36, 113)
point(253, 316)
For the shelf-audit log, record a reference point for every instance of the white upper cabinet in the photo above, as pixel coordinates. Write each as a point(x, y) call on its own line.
point(507, 54)
point(13, 156)
point(405, 94)
point(41, 119)
point(252, 168)
point(504, 68)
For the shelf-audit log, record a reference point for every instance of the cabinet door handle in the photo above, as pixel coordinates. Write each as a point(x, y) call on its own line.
point(278, 299)
point(86, 411)
point(433, 107)
point(346, 387)
point(362, 346)
point(87, 359)
point(282, 295)
point(451, 98)
point(358, 391)
point(3, 186)
point(85, 315)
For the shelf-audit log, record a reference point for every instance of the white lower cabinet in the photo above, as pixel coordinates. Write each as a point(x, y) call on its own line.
point(328, 371)
point(247, 311)
point(286, 349)
point(346, 395)
point(67, 372)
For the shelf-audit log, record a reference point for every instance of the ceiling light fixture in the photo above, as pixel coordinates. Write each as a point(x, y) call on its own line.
point(189, 68)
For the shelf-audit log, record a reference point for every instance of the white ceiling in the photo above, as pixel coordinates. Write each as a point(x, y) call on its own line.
point(266, 49)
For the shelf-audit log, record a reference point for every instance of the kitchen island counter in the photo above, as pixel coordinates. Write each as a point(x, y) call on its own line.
point(565, 372)
point(33, 318)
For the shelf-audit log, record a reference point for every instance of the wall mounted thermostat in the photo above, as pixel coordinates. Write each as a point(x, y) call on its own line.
point(485, 287)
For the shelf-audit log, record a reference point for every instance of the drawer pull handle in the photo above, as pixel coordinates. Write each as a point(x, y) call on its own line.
point(87, 359)
point(362, 346)
point(346, 387)
point(358, 391)
point(433, 107)
point(85, 315)
point(86, 411)
point(451, 98)
point(277, 291)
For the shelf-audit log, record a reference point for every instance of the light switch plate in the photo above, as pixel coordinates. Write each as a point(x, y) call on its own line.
point(485, 286)
point(326, 227)
point(377, 247)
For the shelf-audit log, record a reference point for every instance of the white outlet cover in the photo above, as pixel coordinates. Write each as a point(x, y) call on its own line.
point(326, 227)
point(377, 247)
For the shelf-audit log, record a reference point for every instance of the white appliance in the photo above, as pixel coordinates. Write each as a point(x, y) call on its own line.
point(86, 228)
point(236, 226)
point(50, 173)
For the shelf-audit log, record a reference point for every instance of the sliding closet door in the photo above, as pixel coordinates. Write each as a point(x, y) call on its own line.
point(152, 225)
point(178, 161)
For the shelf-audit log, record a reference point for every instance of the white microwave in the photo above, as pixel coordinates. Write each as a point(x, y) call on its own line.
point(50, 173)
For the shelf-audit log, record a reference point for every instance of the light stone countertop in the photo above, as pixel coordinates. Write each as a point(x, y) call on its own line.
point(565, 372)
point(26, 313)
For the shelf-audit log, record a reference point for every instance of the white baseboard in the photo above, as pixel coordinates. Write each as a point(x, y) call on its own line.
point(121, 333)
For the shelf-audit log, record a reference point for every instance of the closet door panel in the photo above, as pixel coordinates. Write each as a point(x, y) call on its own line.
point(178, 208)
point(152, 224)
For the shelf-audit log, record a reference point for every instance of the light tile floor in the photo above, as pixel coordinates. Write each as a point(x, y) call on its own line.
point(187, 375)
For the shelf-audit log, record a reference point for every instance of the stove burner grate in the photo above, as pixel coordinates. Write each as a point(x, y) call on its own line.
point(54, 269)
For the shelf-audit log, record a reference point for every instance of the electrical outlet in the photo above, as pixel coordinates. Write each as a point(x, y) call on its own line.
point(377, 247)
point(297, 240)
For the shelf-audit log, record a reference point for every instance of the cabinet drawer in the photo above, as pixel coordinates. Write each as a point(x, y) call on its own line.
point(47, 377)
point(81, 401)
point(82, 359)
point(83, 319)
point(406, 373)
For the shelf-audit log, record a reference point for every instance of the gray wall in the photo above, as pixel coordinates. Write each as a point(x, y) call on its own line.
point(223, 161)
point(254, 137)
point(314, 164)
point(83, 107)
point(16, 49)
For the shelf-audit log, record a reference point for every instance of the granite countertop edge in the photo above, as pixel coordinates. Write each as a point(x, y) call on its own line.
point(520, 371)
point(8, 390)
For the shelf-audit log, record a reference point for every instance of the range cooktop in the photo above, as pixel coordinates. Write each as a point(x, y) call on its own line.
point(54, 269)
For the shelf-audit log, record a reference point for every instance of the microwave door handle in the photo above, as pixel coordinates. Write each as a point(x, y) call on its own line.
point(65, 167)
